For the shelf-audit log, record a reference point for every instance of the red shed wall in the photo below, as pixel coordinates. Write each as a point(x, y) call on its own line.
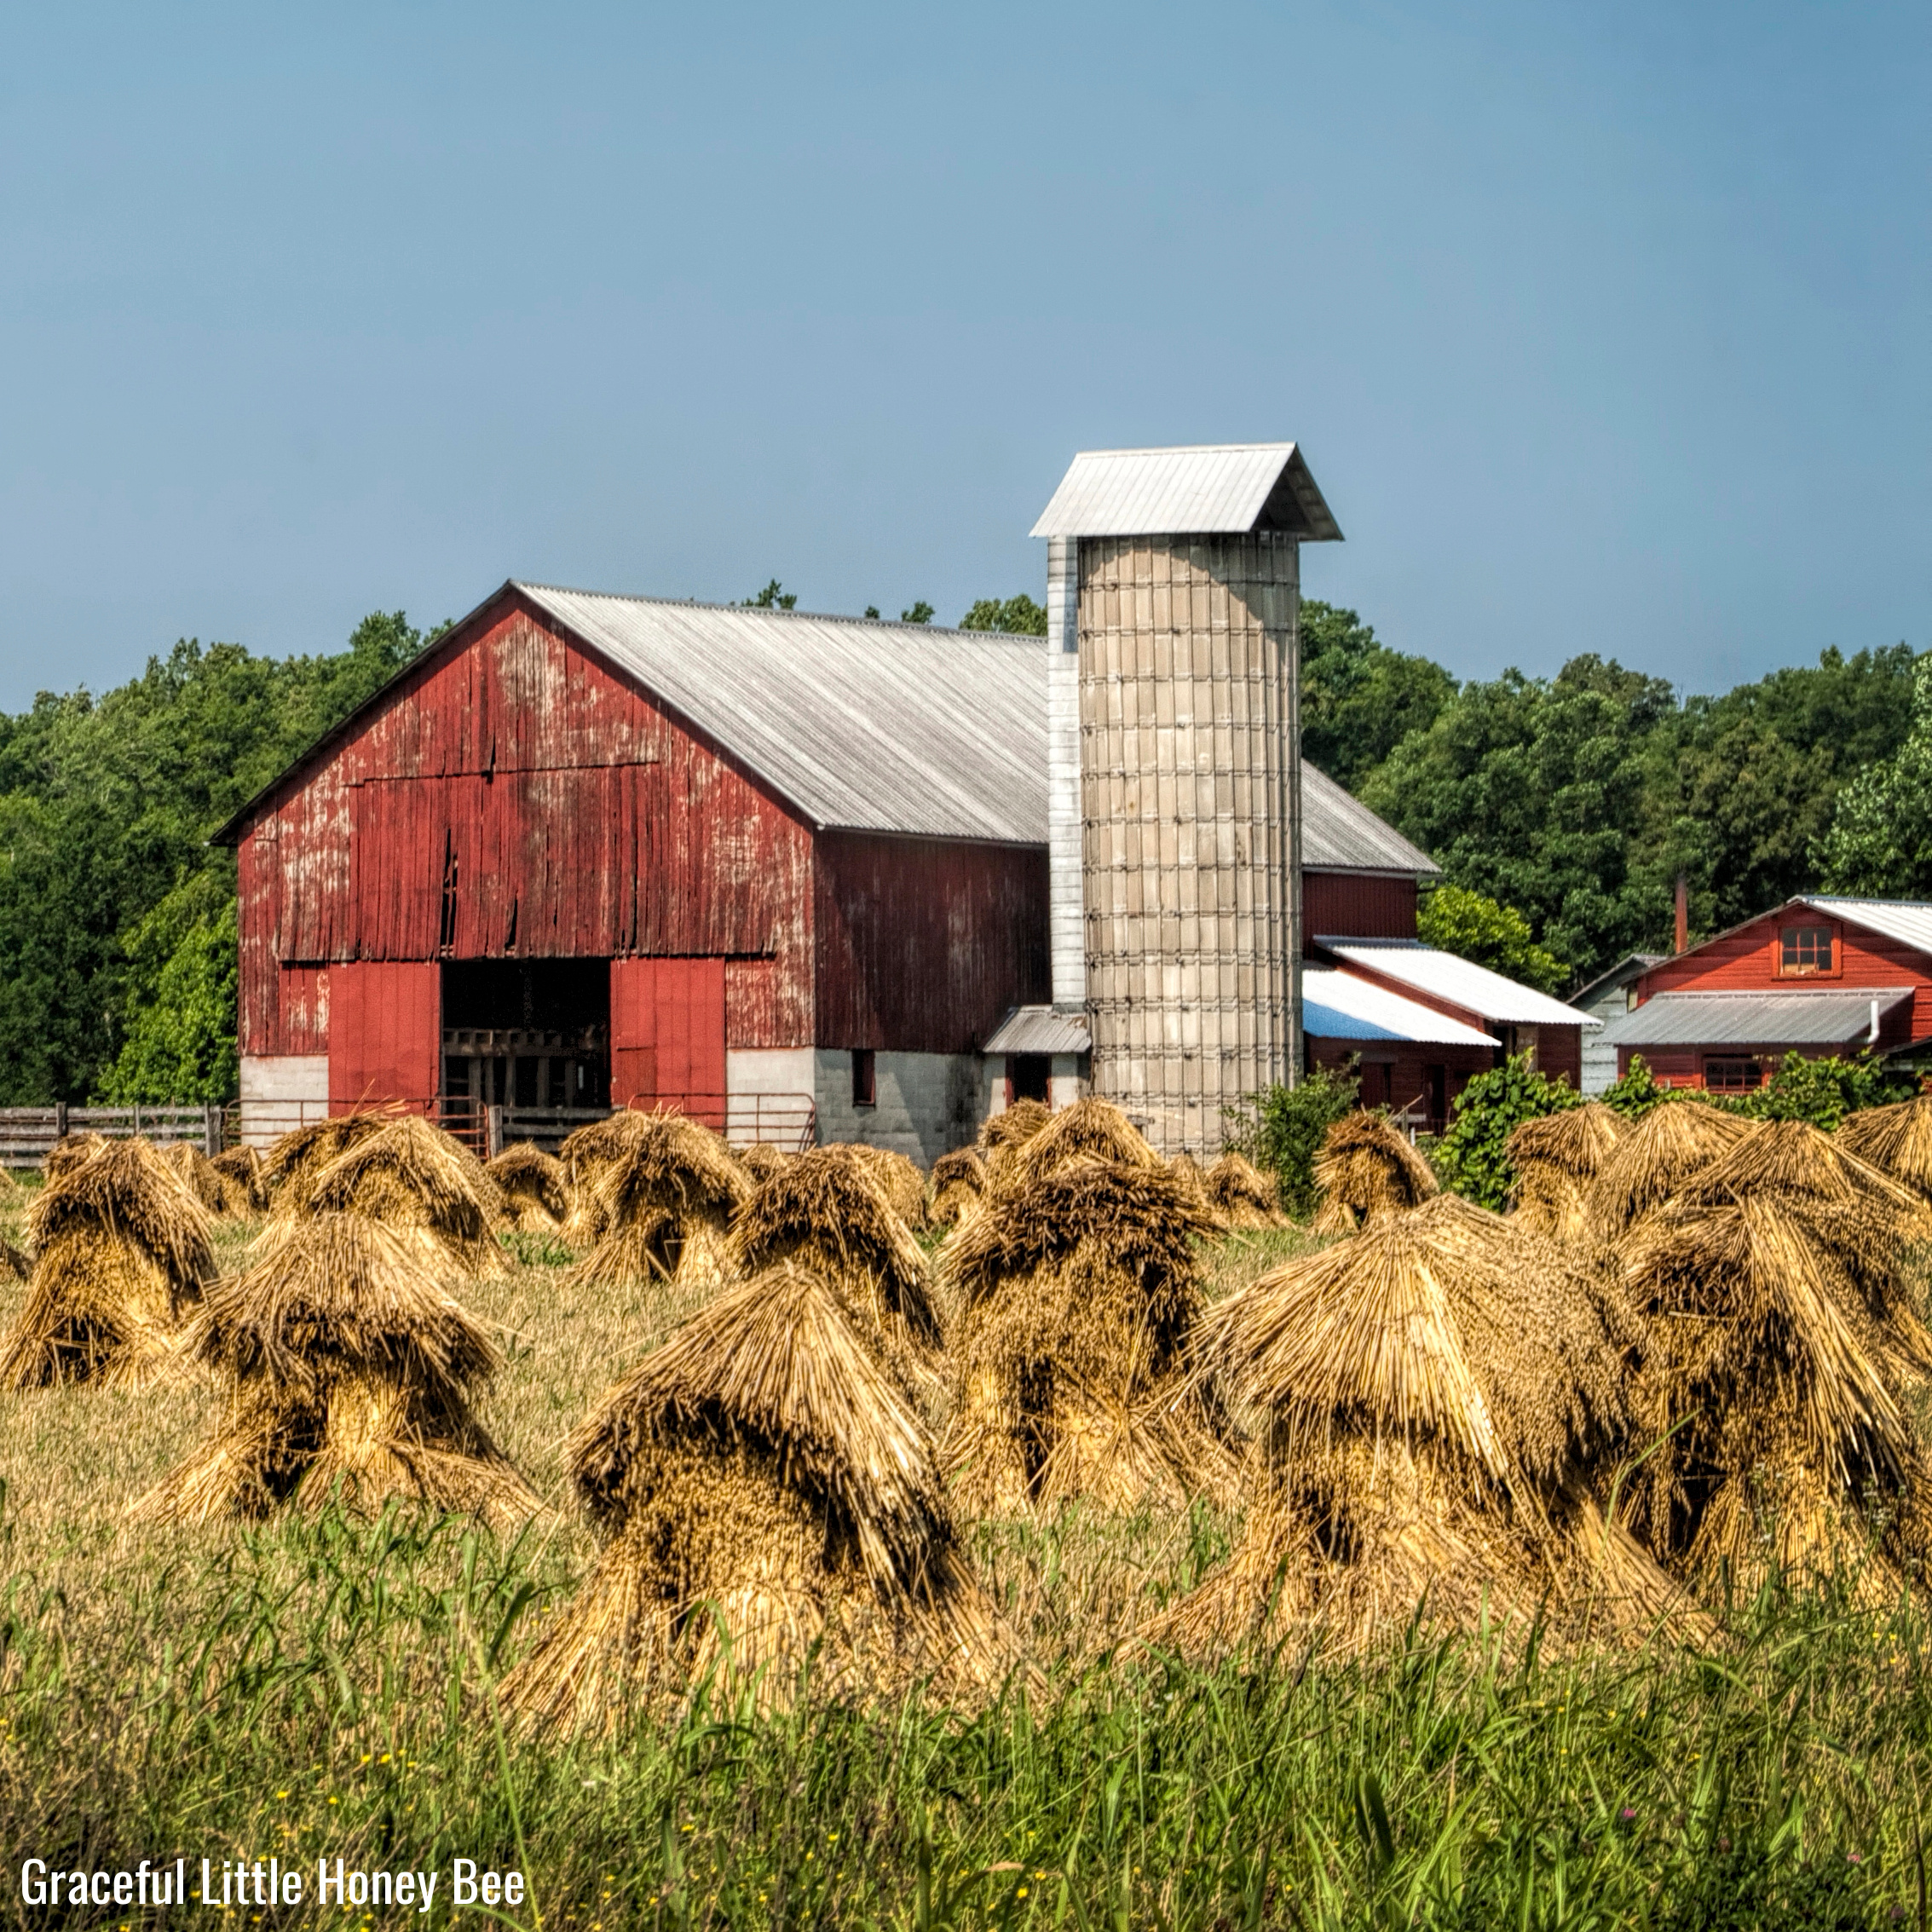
point(923, 944)
point(513, 798)
point(1349, 905)
point(1748, 960)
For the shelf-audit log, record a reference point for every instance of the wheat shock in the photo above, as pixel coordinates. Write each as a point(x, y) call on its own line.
point(233, 1884)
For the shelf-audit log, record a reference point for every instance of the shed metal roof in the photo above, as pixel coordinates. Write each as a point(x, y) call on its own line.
point(1340, 833)
point(1908, 921)
point(1815, 1016)
point(1214, 488)
point(1460, 981)
point(861, 724)
point(1631, 966)
point(1342, 1005)
point(1040, 1030)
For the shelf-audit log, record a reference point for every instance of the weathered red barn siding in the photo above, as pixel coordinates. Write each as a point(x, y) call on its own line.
point(1747, 960)
point(387, 1044)
point(1352, 905)
point(513, 797)
point(922, 947)
point(1560, 1053)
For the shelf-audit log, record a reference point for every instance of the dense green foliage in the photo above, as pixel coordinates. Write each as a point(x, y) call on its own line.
point(1020, 615)
point(1497, 936)
point(1822, 1091)
point(1472, 1157)
point(1577, 799)
point(1281, 1130)
point(1881, 840)
point(329, 1691)
point(111, 902)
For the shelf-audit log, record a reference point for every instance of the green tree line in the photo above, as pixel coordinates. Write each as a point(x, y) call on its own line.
point(1560, 809)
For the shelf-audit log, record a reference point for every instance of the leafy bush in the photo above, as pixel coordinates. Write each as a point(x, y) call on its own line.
point(1822, 1091)
point(1639, 1091)
point(1471, 1157)
point(1280, 1130)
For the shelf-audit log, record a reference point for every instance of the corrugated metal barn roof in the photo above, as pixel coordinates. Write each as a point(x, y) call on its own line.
point(1218, 488)
point(1907, 921)
point(872, 727)
point(1041, 1029)
point(1818, 1017)
point(1460, 981)
point(1340, 1006)
point(1340, 833)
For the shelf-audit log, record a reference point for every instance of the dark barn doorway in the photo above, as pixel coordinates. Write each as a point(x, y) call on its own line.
point(526, 1033)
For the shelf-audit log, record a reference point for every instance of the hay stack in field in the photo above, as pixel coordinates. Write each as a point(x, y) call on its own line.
point(1781, 1334)
point(73, 1150)
point(1189, 1177)
point(1556, 1159)
point(535, 1199)
point(761, 1487)
point(1091, 1129)
point(899, 1180)
point(422, 1183)
point(959, 1182)
point(665, 1201)
point(1653, 1157)
point(1244, 1197)
point(587, 1155)
point(761, 1161)
point(206, 1182)
point(120, 1255)
point(828, 1214)
point(350, 1370)
point(245, 1167)
point(1367, 1170)
point(1002, 1134)
point(1075, 1296)
point(14, 1264)
point(1896, 1141)
point(291, 1165)
point(1446, 1409)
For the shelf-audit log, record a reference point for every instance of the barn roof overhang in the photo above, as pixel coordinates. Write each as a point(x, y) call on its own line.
point(1819, 1016)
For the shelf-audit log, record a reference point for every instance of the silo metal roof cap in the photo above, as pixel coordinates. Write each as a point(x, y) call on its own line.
point(1216, 489)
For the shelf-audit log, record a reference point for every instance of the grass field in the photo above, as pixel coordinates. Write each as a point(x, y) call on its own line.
point(326, 1687)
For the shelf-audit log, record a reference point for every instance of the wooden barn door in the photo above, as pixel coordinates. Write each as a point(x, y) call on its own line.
point(385, 1033)
point(667, 1036)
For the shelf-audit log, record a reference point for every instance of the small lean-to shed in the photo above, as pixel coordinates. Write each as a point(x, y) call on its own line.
point(595, 849)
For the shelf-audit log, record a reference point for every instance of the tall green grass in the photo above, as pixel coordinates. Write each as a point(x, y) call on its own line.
point(328, 1688)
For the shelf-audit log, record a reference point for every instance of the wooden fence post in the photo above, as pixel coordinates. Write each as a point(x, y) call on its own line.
point(60, 1120)
point(493, 1131)
point(210, 1128)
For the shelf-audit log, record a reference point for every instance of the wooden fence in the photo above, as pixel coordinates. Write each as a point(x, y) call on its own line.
point(27, 1134)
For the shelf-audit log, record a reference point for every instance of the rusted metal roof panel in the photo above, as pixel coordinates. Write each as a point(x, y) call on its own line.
point(1817, 1016)
point(863, 725)
point(1214, 489)
point(1340, 833)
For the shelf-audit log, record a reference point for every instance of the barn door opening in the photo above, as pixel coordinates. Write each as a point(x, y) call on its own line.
point(384, 1030)
point(526, 1033)
point(667, 1036)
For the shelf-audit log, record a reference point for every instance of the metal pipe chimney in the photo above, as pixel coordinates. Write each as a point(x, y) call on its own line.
point(1174, 590)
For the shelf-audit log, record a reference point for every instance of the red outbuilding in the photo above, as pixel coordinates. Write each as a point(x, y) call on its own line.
point(1818, 976)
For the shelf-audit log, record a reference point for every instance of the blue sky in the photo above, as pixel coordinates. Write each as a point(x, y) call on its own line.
point(1603, 329)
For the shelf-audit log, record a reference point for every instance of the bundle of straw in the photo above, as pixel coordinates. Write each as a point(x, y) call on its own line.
point(535, 1197)
point(1557, 1157)
point(1243, 1196)
point(213, 1189)
point(959, 1182)
point(291, 1165)
point(1091, 1129)
point(1001, 1135)
point(1367, 1170)
point(350, 1372)
point(761, 1161)
point(419, 1182)
point(1075, 1294)
point(245, 1169)
point(587, 1156)
point(121, 1252)
point(763, 1491)
point(828, 1214)
point(665, 1201)
point(1445, 1402)
point(1652, 1158)
point(1896, 1141)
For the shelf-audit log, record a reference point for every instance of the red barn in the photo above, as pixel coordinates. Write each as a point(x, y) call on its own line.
point(591, 850)
point(1818, 976)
